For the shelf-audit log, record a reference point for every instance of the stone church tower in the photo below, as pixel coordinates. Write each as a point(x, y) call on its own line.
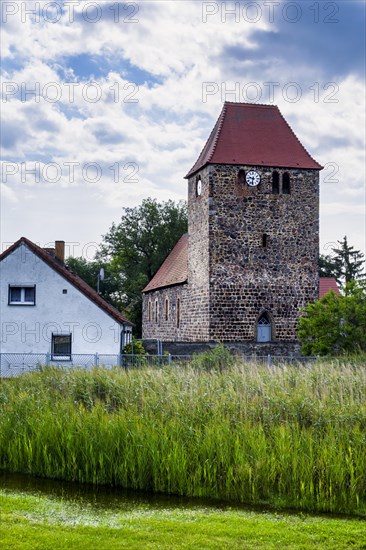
point(250, 260)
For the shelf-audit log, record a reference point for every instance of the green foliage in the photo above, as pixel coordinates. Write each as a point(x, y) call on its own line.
point(291, 437)
point(136, 347)
point(345, 265)
point(219, 358)
point(335, 323)
point(109, 288)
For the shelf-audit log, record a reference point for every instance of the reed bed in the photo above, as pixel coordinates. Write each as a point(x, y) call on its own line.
point(288, 436)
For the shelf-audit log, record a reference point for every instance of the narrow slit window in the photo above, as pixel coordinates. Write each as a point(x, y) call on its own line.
point(166, 309)
point(286, 184)
point(156, 311)
point(149, 311)
point(241, 177)
point(178, 313)
point(264, 240)
point(275, 183)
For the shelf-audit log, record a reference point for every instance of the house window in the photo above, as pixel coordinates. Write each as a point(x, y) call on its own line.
point(61, 346)
point(241, 177)
point(264, 328)
point(149, 311)
point(156, 311)
point(275, 183)
point(178, 313)
point(22, 295)
point(286, 184)
point(264, 240)
point(166, 309)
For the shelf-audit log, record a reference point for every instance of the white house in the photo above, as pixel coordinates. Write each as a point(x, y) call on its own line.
point(49, 314)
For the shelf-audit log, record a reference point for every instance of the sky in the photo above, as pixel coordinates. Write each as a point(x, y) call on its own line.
point(105, 104)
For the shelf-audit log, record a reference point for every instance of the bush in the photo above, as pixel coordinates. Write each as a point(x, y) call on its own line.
point(135, 347)
point(218, 358)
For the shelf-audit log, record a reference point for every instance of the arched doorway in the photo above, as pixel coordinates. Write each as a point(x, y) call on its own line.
point(264, 328)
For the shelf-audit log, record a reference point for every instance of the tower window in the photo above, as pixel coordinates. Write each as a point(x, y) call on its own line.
point(286, 183)
point(275, 183)
point(241, 177)
point(264, 240)
point(156, 311)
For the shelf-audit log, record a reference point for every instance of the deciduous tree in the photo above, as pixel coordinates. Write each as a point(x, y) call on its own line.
point(336, 323)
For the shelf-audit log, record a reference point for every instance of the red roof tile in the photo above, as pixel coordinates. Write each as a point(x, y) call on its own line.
point(174, 269)
point(247, 133)
point(70, 276)
point(326, 284)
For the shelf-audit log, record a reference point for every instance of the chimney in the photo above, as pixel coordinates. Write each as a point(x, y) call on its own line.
point(60, 251)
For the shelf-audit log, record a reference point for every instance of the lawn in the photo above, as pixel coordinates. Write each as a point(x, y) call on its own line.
point(40, 522)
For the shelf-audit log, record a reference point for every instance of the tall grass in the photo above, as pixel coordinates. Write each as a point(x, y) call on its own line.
point(288, 436)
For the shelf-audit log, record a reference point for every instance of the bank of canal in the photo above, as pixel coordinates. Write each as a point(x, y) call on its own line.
point(44, 514)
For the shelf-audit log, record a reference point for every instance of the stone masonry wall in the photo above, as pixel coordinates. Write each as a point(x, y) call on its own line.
point(197, 329)
point(248, 277)
point(163, 318)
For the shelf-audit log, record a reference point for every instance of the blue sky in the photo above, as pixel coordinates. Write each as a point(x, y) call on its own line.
point(102, 108)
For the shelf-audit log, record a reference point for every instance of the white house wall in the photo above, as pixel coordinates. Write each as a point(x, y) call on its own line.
point(28, 329)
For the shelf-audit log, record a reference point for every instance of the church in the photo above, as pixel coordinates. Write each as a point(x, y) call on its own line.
point(249, 261)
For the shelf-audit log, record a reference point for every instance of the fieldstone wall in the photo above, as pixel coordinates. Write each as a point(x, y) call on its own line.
point(250, 275)
point(242, 349)
point(250, 251)
point(164, 313)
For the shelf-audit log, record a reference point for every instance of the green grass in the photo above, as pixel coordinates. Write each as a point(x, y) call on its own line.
point(288, 436)
point(30, 522)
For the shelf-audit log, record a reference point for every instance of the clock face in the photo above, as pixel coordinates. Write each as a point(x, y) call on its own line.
point(199, 187)
point(253, 178)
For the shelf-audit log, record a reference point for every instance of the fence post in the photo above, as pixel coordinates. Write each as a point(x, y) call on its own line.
point(269, 360)
point(96, 360)
point(169, 359)
point(48, 358)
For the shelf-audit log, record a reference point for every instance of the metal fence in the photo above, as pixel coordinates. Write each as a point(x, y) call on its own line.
point(13, 364)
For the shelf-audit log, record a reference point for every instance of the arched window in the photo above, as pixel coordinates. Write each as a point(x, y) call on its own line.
point(286, 183)
point(264, 328)
point(275, 183)
point(178, 312)
point(241, 176)
point(166, 309)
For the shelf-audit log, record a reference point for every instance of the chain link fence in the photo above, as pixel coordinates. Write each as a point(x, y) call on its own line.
point(13, 364)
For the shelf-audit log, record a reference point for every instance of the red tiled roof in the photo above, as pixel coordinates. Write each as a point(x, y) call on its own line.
point(70, 276)
point(326, 284)
point(174, 269)
point(247, 133)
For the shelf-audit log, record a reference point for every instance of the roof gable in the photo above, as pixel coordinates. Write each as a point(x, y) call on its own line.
point(70, 276)
point(248, 133)
point(326, 284)
point(174, 269)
